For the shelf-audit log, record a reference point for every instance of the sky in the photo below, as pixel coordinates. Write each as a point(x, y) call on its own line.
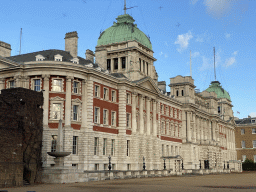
point(175, 28)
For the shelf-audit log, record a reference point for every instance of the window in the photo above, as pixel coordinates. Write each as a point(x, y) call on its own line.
point(11, 84)
point(162, 109)
point(182, 93)
point(128, 119)
point(128, 98)
point(143, 66)
point(243, 144)
point(113, 118)
point(75, 110)
point(105, 93)
point(254, 158)
point(56, 111)
point(109, 64)
point(177, 93)
point(74, 166)
point(105, 117)
point(57, 85)
point(97, 91)
point(123, 62)
point(75, 87)
point(96, 145)
point(242, 131)
point(112, 147)
point(253, 120)
point(75, 144)
point(113, 166)
point(140, 63)
point(115, 63)
point(54, 143)
point(58, 57)
point(176, 150)
point(128, 148)
point(113, 96)
point(254, 143)
point(105, 166)
point(128, 166)
point(253, 131)
point(97, 115)
point(163, 128)
point(218, 109)
point(166, 110)
point(104, 146)
point(243, 158)
point(162, 150)
point(96, 167)
point(37, 85)
point(147, 68)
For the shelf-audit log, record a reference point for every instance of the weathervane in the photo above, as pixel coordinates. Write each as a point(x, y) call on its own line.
point(127, 8)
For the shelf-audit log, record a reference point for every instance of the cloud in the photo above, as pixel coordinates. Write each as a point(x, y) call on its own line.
point(193, 1)
point(218, 8)
point(199, 39)
point(230, 61)
point(195, 54)
point(183, 41)
point(227, 35)
point(253, 114)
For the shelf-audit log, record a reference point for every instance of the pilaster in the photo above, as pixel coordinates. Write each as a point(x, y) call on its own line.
point(141, 114)
point(148, 115)
point(134, 123)
point(154, 119)
point(68, 102)
point(2, 82)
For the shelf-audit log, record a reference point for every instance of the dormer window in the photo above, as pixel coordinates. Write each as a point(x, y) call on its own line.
point(75, 60)
point(58, 57)
point(40, 57)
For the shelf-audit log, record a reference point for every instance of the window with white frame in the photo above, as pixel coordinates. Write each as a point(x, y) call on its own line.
point(242, 131)
point(253, 131)
point(128, 98)
point(96, 167)
point(113, 118)
point(58, 57)
point(243, 144)
point(40, 57)
point(128, 120)
point(105, 116)
point(113, 147)
point(254, 143)
point(96, 145)
point(54, 143)
point(97, 91)
point(104, 146)
point(105, 93)
point(97, 115)
point(243, 158)
point(57, 85)
point(11, 84)
point(75, 112)
point(75, 87)
point(75, 142)
point(128, 148)
point(36, 84)
point(254, 158)
point(56, 111)
point(113, 96)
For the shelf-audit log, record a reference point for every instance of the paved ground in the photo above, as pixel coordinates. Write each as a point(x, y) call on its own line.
point(222, 182)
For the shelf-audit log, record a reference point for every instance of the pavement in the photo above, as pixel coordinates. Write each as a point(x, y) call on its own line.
point(245, 182)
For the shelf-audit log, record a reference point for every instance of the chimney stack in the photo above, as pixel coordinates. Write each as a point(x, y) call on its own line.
point(89, 55)
point(5, 49)
point(162, 85)
point(71, 43)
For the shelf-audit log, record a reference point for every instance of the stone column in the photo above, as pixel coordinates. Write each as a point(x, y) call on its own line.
point(141, 114)
point(46, 100)
point(134, 123)
point(26, 82)
point(68, 102)
point(154, 119)
point(210, 130)
point(188, 127)
point(112, 64)
point(84, 104)
point(213, 130)
point(119, 64)
point(2, 84)
point(194, 127)
point(148, 115)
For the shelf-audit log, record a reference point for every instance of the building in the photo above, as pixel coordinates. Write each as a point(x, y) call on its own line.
point(246, 138)
point(116, 107)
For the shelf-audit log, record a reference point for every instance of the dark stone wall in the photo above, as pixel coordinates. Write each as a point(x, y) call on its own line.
point(21, 128)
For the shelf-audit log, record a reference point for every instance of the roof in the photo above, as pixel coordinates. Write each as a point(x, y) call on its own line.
point(245, 121)
point(118, 75)
point(49, 56)
point(216, 87)
point(123, 30)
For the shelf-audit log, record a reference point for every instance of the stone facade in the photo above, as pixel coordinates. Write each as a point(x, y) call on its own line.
point(115, 108)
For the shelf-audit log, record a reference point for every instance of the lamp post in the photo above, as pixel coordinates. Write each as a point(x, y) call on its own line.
point(224, 165)
point(227, 165)
point(144, 166)
point(109, 163)
point(200, 165)
point(164, 164)
point(182, 164)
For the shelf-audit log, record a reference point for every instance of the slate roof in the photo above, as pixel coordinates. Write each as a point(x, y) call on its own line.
point(118, 75)
point(49, 56)
point(244, 121)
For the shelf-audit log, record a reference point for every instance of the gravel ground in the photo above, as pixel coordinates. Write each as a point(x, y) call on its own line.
point(245, 181)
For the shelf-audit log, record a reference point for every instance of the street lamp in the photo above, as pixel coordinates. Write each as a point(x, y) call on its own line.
point(144, 166)
point(164, 164)
point(109, 163)
point(200, 165)
point(227, 165)
point(224, 165)
point(182, 164)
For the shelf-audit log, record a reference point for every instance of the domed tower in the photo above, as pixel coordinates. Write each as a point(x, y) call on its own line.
point(124, 48)
point(224, 100)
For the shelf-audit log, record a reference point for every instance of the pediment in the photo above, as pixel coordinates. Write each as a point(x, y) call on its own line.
point(148, 84)
point(76, 100)
point(57, 98)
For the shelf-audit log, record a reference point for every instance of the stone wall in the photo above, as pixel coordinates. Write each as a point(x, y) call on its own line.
point(21, 136)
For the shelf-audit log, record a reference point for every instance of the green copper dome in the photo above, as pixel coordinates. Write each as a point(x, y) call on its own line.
point(123, 30)
point(216, 87)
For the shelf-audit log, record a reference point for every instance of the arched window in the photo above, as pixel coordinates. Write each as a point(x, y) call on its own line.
point(182, 93)
point(218, 109)
point(177, 93)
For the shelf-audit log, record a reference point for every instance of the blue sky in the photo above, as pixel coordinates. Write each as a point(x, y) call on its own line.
point(227, 25)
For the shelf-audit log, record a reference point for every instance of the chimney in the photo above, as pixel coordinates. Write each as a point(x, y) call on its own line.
point(89, 55)
point(71, 43)
point(5, 49)
point(162, 85)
